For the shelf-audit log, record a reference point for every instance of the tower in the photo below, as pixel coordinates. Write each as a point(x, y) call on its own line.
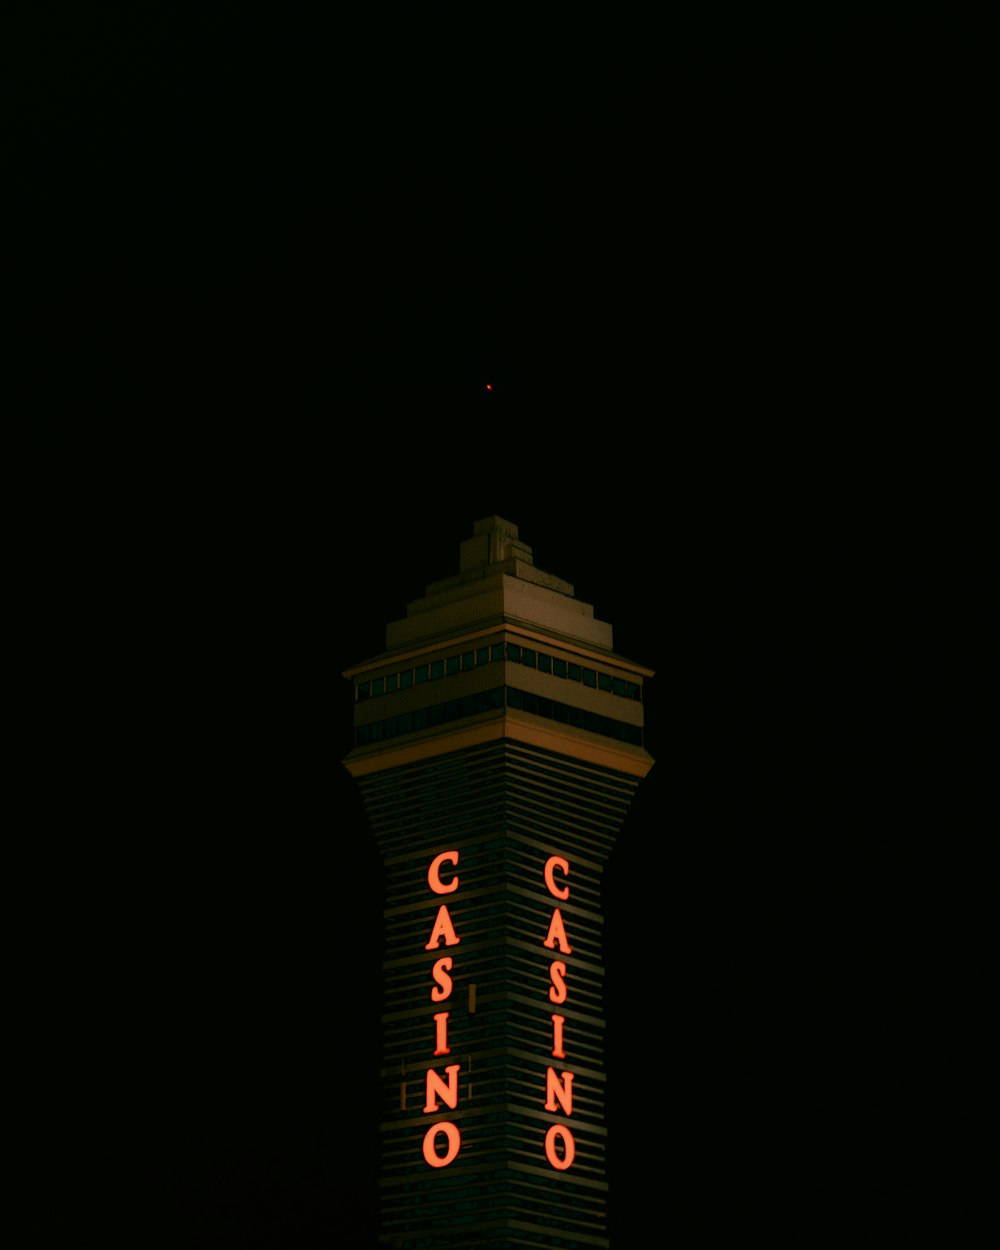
point(498, 744)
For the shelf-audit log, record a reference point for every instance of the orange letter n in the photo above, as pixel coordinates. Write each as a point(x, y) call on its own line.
point(436, 1088)
point(555, 1089)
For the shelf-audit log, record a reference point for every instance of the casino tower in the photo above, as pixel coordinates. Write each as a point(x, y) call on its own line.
point(498, 744)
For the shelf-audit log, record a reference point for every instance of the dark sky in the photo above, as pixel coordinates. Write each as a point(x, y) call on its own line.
point(717, 277)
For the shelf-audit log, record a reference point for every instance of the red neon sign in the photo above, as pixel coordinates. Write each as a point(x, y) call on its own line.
point(560, 1146)
point(557, 990)
point(560, 1091)
point(442, 987)
point(443, 928)
point(557, 934)
point(436, 1088)
point(439, 1089)
point(558, 1088)
point(430, 1144)
point(559, 1132)
point(441, 1046)
point(433, 873)
point(557, 1036)
point(553, 862)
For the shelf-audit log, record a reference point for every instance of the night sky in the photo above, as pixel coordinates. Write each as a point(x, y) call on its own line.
point(716, 277)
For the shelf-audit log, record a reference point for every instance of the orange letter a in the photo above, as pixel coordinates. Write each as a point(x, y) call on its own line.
point(557, 933)
point(443, 928)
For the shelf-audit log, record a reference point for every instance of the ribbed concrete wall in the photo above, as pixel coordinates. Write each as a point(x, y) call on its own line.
point(505, 808)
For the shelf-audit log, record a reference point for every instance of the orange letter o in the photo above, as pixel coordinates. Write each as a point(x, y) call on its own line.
point(569, 1147)
point(454, 1141)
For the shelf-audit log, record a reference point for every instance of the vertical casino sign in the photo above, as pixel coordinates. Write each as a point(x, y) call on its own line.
point(442, 1140)
point(440, 1089)
point(560, 1146)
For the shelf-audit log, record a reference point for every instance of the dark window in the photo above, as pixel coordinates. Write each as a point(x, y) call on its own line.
point(544, 662)
point(364, 690)
point(618, 686)
point(390, 683)
point(496, 651)
point(453, 664)
point(483, 655)
point(468, 661)
point(437, 669)
point(604, 681)
point(633, 691)
point(456, 709)
point(377, 685)
point(559, 667)
point(590, 678)
point(420, 674)
point(513, 651)
point(406, 679)
point(528, 657)
point(575, 672)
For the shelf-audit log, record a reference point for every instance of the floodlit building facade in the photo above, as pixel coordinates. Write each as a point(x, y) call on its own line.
point(498, 744)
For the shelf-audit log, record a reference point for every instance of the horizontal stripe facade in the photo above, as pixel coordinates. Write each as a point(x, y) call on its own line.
point(499, 811)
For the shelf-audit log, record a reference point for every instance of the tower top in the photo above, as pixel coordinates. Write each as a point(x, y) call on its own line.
point(501, 649)
point(498, 581)
point(493, 541)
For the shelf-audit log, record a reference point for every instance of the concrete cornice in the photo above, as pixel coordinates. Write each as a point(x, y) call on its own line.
point(401, 657)
point(564, 740)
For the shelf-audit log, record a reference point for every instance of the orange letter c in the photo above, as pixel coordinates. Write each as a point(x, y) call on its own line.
point(556, 861)
point(434, 881)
